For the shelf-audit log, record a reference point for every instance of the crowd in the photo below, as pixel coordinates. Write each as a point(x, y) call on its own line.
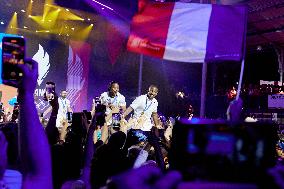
point(109, 150)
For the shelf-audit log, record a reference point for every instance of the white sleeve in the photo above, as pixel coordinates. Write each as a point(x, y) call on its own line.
point(155, 107)
point(122, 101)
point(136, 103)
point(103, 99)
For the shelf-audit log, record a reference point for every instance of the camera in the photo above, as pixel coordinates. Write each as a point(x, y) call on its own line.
point(12, 54)
point(213, 150)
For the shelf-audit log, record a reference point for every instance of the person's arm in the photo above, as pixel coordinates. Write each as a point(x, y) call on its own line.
point(89, 152)
point(127, 111)
point(33, 145)
point(155, 118)
point(69, 109)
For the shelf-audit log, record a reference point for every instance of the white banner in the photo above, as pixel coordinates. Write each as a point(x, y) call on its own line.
point(276, 101)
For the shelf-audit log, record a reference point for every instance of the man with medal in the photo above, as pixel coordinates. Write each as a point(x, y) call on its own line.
point(115, 104)
point(63, 108)
point(145, 108)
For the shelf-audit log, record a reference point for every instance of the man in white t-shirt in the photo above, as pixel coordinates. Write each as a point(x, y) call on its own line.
point(115, 103)
point(145, 108)
point(64, 106)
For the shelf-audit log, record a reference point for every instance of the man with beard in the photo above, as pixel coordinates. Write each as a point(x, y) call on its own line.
point(63, 108)
point(141, 123)
point(145, 108)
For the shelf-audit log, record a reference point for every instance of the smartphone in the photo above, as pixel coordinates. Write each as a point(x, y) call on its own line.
point(13, 53)
point(116, 120)
point(212, 150)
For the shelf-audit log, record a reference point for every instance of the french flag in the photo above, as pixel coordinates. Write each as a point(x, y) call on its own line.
point(189, 32)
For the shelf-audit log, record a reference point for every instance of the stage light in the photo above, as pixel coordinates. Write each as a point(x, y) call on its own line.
point(67, 10)
point(73, 29)
point(23, 10)
point(89, 19)
point(30, 16)
point(29, 8)
point(2, 23)
point(83, 33)
point(13, 24)
point(25, 27)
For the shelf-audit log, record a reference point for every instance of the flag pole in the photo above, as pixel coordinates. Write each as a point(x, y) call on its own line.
point(243, 63)
point(241, 79)
point(203, 90)
point(140, 75)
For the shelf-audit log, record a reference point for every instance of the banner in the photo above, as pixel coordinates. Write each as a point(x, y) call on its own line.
point(78, 74)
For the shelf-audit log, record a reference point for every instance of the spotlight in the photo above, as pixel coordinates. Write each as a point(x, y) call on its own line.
point(259, 48)
point(1, 23)
point(73, 29)
point(89, 19)
point(92, 24)
point(23, 10)
point(25, 27)
point(30, 16)
point(67, 10)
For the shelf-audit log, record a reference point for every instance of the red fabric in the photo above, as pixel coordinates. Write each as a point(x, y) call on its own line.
point(152, 37)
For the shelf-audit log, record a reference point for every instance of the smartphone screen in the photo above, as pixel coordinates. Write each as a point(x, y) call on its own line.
point(116, 120)
point(13, 53)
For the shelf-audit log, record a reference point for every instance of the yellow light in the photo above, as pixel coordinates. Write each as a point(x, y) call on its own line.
point(30, 16)
point(13, 24)
point(47, 31)
point(67, 10)
point(73, 29)
point(92, 24)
